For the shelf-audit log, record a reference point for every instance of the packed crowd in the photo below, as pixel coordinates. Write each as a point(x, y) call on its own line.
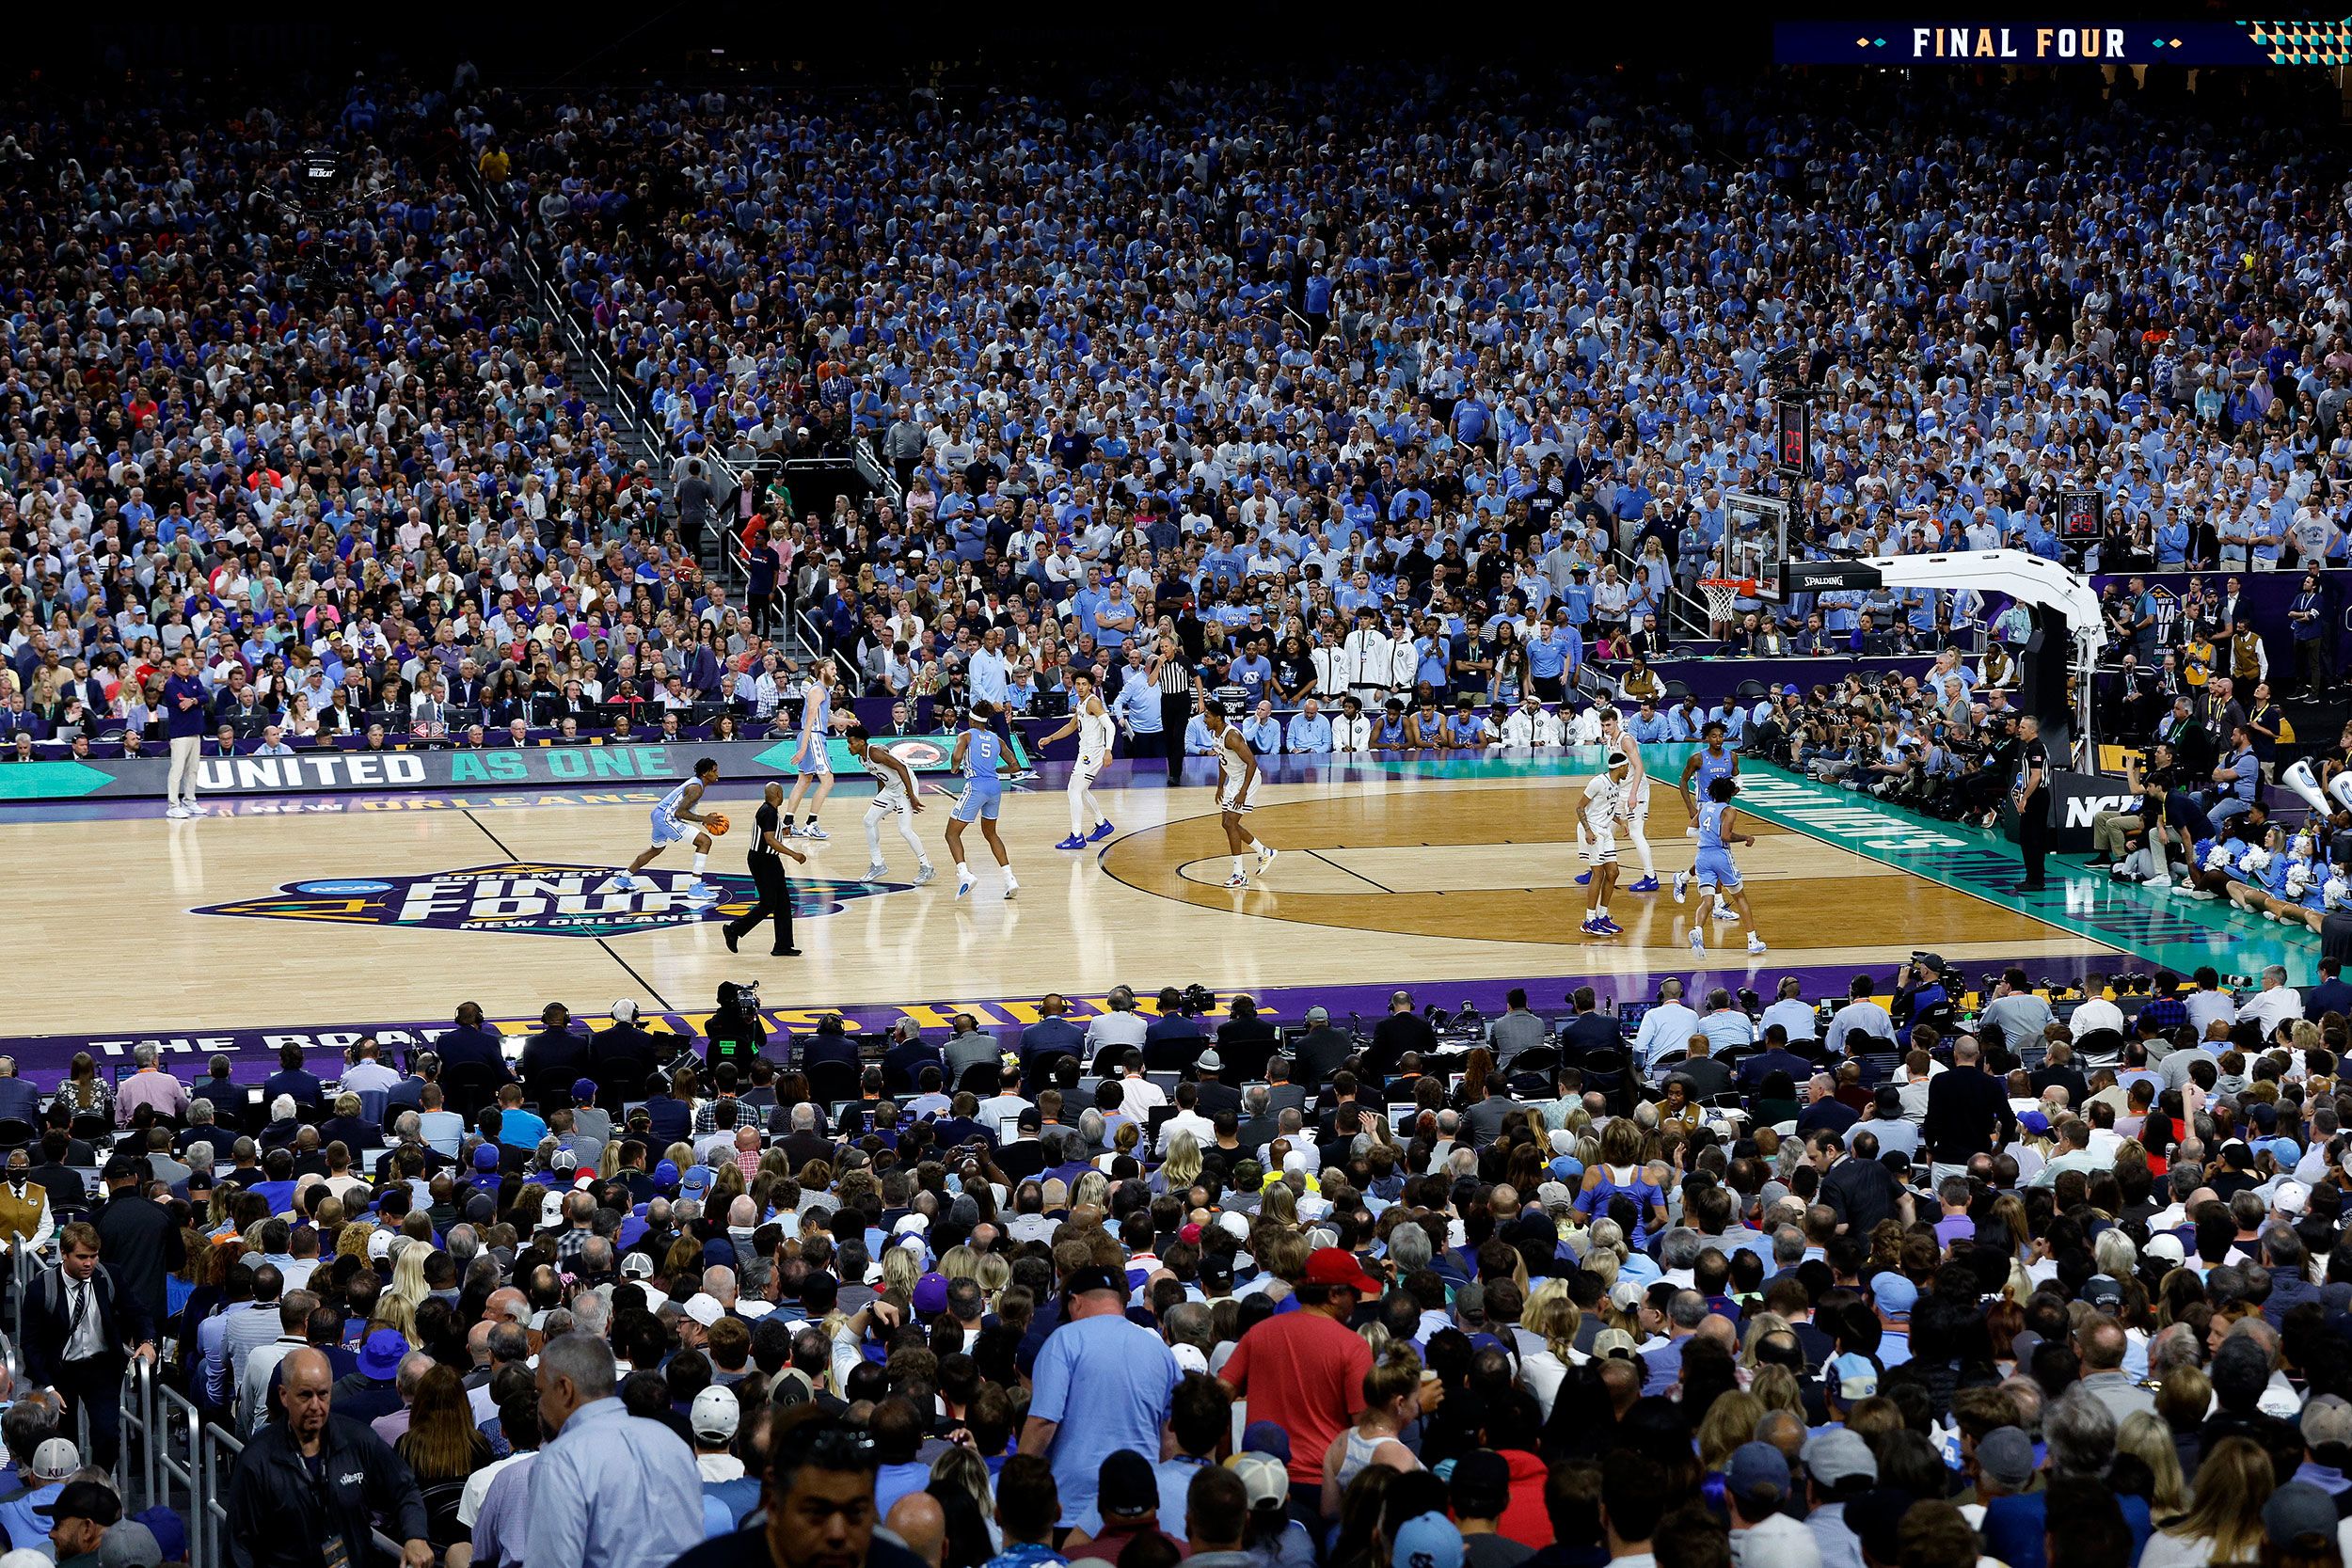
point(1915, 1280)
point(1482, 389)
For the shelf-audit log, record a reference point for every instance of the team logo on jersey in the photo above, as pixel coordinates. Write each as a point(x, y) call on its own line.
point(534, 899)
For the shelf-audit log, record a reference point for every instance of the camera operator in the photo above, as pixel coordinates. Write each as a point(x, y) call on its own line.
point(1922, 997)
point(735, 1032)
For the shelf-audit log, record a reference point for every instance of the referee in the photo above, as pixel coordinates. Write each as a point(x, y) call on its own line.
point(775, 894)
point(2031, 796)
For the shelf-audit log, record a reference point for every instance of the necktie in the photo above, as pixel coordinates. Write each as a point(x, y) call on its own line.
point(80, 1310)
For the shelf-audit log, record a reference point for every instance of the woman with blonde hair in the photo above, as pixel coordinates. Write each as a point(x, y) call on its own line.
point(1123, 1145)
point(1181, 1168)
point(2145, 1436)
point(408, 1275)
point(1392, 1403)
point(1730, 1422)
point(2225, 1524)
point(1776, 1389)
point(1551, 1314)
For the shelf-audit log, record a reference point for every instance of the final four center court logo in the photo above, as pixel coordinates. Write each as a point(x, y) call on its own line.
point(534, 899)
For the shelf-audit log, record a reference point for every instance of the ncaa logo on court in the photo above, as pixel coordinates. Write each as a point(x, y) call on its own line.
point(530, 898)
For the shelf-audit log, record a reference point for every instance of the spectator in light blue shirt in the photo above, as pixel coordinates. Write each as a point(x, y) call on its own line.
point(1309, 730)
point(1199, 742)
point(608, 1486)
point(988, 673)
point(1263, 730)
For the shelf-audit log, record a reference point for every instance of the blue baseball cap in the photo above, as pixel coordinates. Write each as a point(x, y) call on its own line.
point(1427, 1540)
point(665, 1174)
point(1896, 1295)
point(1267, 1437)
point(1757, 1470)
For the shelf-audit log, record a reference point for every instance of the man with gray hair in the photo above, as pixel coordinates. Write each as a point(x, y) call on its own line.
point(148, 1087)
point(609, 1487)
point(2080, 1433)
point(1662, 1365)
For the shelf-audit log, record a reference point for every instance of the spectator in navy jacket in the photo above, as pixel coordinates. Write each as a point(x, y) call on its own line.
point(19, 1100)
point(291, 1078)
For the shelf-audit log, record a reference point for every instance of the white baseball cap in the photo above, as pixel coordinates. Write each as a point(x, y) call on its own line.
point(716, 1413)
point(704, 1308)
point(2292, 1197)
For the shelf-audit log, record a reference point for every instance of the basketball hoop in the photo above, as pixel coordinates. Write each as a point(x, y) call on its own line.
point(1723, 595)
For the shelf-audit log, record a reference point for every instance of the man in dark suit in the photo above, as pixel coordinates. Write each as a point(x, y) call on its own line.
point(81, 1329)
point(293, 1079)
point(53, 1173)
point(804, 1143)
point(2331, 995)
point(1967, 1109)
point(1591, 1029)
point(1322, 1051)
point(19, 1100)
point(226, 1098)
point(1856, 1187)
point(903, 1062)
point(2060, 1068)
point(138, 1234)
point(1171, 1039)
point(623, 1055)
point(1053, 1036)
point(1402, 1031)
point(553, 1059)
point(471, 1043)
point(1216, 1095)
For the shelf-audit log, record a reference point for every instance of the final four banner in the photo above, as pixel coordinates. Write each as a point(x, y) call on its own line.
point(1960, 39)
point(327, 772)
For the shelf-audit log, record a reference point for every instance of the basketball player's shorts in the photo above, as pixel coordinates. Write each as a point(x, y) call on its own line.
point(1714, 868)
point(1640, 808)
point(814, 758)
point(668, 830)
point(1236, 800)
point(1601, 847)
point(890, 803)
point(1088, 769)
point(981, 798)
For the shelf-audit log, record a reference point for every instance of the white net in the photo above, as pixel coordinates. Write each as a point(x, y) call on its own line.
point(1722, 598)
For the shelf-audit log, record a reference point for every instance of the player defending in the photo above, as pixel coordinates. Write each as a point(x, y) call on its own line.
point(1605, 798)
point(1092, 720)
point(1713, 761)
point(812, 758)
point(1614, 736)
point(1236, 793)
point(977, 753)
point(894, 799)
point(675, 818)
point(1716, 869)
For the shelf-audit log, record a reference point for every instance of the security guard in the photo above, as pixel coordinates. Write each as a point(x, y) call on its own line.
point(766, 864)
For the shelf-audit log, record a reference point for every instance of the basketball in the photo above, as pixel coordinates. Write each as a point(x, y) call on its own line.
point(717, 823)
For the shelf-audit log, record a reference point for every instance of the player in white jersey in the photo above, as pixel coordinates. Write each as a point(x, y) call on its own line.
point(1614, 736)
point(1236, 793)
point(894, 800)
point(1605, 798)
point(810, 757)
point(1092, 720)
point(675, 818)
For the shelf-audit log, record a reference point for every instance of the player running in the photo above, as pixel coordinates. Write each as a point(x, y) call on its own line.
point(1236, 793)
point(978, 753)
point(1614, 736)
point(675, 818)
point(894, 799)
point(1092, 720)
point(812, 758)
point(1713, 761)
point(1606, 796)
point(1716, 869)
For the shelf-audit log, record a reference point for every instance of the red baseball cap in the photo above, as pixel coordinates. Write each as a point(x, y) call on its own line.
point(1332, 1265)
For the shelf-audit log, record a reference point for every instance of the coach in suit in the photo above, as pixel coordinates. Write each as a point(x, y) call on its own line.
point(471, 1044)
point(623, 1055)
point(138, 1234)
point(1967, 1109)
point(80, 1331)
point(1052, 1036)
point(553, 1059)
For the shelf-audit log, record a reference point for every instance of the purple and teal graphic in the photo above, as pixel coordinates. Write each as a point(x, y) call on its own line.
point(531, 898)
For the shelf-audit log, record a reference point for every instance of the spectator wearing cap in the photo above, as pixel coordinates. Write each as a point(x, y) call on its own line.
point(1839, 1467)
point(713, 1418)
point(2002, 1461)
point(40, 1478)
point(1893, 1296)
point(1756, 1494)
point(1127, 1497)
point(1101, 1385)
point(2326, 1428)
point(1479, 1491)
point(373, 1389)
point(79, 1518)
point(1305, 1370)
point(130, 1544)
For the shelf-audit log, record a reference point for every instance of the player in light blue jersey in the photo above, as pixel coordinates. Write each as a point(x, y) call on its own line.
point(1711, 761)
point(674, 820)
point(812, 757)
point(978, 753)
point(1716, 870)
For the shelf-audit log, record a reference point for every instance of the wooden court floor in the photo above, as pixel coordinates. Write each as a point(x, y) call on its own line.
point(248, 920)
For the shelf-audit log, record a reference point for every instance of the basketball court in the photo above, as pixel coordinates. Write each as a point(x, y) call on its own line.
point(1394, 871)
